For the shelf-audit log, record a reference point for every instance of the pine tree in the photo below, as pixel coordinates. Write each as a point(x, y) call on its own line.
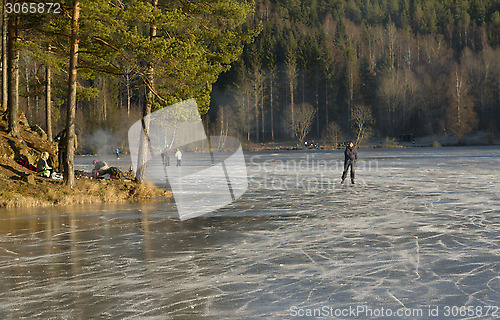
point(4, 59)
point(69, 173)
point(13, 75)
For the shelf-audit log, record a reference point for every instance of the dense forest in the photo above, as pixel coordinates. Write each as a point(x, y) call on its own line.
point(421, 67)
point(316, 67)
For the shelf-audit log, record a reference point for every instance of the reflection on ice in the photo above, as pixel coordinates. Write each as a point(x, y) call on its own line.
point(422, 230)
point(204, 186)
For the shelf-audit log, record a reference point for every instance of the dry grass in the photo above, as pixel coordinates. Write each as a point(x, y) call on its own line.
point(46, 192)
point(86, 191)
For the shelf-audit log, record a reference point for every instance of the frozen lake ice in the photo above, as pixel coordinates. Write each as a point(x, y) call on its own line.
point(419, 233)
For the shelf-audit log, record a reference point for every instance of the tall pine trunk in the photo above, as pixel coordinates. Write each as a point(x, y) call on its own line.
point(316, 84)
point(262, 127)
point(13, 76)
point(4, 59)
point(146, 111)
point(292, 99)
point(144, 140)
point(29, 110)
point(48, 99)
point(271, 105)
point(256, 106)
point(127, 84)
point(326, 102)
point(69, 157)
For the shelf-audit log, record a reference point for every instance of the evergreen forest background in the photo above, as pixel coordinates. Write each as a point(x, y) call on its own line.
point(421, 67)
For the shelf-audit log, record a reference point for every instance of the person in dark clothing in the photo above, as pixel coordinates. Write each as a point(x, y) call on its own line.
point(61, 146)
point(165, 155)
point(351, 155)
point(42, 167)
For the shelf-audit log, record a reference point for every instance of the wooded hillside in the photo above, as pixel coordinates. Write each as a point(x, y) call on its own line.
point(421, 67)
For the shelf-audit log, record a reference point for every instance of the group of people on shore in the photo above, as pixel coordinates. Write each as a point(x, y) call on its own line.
point(101, 168)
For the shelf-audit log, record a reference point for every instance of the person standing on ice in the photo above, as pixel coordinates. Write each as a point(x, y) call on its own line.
point(351, 155)
point(165, 155)
point(178, 156)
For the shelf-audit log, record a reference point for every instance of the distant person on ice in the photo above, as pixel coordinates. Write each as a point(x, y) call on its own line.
point(117, 152)
point(178, 156)
point(166, 156)
point(351, 155)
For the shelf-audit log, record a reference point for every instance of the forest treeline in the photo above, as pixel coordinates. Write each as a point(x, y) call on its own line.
point(421, 67)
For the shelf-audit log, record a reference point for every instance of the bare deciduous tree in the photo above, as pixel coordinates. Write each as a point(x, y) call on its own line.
point(299, 119)
point(397, 94)
point(362, 119)
point(222, 127)
point(244, 108)
point(258, 88)
point(460, 115)
point(333, 133)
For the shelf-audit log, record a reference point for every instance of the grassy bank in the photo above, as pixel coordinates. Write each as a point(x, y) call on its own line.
point(45, 192)
point(21, 187)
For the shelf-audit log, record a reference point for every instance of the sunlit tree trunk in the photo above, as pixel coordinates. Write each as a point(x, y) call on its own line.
point(316, 102)
point(146, 111)
point(326, 101)
point(13, 76)
point(258, 92)
point(256, 108)
point(29, 109)
point(262, 127)
point(69, 156)
point(461, 118)
point(127, 84)
point(48, 99)
point(271, 102)
point(4, 58)
point(292, 77)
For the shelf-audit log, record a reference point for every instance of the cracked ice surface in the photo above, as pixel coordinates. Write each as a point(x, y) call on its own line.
point(420, 228)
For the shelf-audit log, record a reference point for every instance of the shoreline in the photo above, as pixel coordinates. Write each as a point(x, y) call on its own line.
point(288, 147)
point(22, 187)
point(53, 193)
